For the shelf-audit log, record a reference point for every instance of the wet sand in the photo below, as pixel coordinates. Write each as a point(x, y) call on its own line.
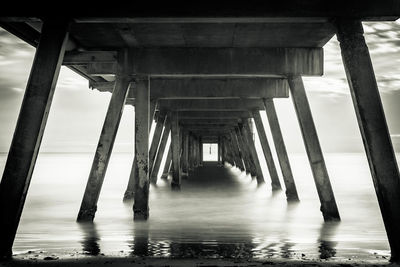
point(164, 262)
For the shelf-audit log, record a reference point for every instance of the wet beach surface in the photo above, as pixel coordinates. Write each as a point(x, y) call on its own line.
point(219, 215)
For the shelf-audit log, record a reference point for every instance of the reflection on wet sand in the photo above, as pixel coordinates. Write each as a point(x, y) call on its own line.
point(326, 244)
point(90, 240)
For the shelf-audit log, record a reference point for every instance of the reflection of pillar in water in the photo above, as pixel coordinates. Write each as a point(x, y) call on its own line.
point(326, 245)
point(90, 240)
point(140, 240)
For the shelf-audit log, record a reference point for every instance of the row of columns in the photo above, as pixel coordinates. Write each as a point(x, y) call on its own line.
point(38, 97)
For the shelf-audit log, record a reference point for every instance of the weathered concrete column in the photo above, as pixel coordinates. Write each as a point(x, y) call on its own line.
point(156, 140)
point(275, 183)
point(313, 148)
point(373, 127)
point(130, 189)
point(175, 145)
point(29, 130)
point(200, 151)
point(160, 152)
point(291, 191)
point(235, 147)
point(195, 152)
point(252, 148)
point(244, 152)
point(223, 148)
point(219, 150)
point(168, 164)
point(106, 142)
point(142, 128)
point(185, 158)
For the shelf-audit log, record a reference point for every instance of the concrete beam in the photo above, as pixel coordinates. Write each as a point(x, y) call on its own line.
point(210, 104)
point(205, 88)
point(215, 114)
point(213, 61)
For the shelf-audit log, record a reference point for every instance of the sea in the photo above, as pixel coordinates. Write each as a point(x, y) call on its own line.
point(220, 212)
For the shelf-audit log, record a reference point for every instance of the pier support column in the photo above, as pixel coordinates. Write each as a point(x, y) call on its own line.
point(142, 126)
point(291, 191)
point(176, 155)
point(168, 164)
point(130, 189)
point(185, 157)
point(200, 151)
point(235, 147)
point(106, 142)
point(328, 203)
point(373, 127)
point(29, 130)
point(223, 148)
point(275, 183)
point(156, 139)
point(160, 152)
point(245, 154)
point(252, 148)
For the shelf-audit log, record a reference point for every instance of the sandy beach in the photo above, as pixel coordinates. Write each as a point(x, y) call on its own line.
point(158, 262)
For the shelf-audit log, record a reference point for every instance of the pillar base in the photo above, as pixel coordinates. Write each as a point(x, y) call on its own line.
point(330, 215)
point(175, 187)
point(292, 197)
point(164, 176)
point(141, 215)
point(86, 215)
point(129, 195)
point(276, 187)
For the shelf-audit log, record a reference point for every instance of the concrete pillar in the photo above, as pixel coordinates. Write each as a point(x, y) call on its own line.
point(200, 151)
point(160, 152)
point(219, 151)
point(175, 144)
point(244, 152)
point(195, 152)
point(373, 127)
point(142, 128)
point(313, 148)
point(235, 148)
point(252, 148)
point(106, 142)
point(223, 158)
point(156, 140)
point(29, 130)
point(168, 164)
point(130, 189)
point(291, 191)
point(275, 183)
point(185, 158)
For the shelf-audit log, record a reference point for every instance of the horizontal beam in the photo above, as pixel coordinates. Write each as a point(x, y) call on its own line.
point(210, 104)
point(214, 114)
point(127, 12)
point(204, 88)
point(207, 121)
point(212, 61)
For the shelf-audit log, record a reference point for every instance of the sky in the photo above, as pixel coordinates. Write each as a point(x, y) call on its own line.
point(77, 112)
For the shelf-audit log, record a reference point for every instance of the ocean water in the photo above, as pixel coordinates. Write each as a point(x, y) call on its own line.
point(220, 212)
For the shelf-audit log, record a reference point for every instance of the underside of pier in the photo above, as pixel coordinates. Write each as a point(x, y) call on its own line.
point(202, 74)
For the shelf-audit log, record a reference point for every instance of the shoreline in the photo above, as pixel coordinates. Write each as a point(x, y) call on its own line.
point(180, 262)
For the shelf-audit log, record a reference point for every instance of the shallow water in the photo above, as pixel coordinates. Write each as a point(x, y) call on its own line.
point(220, 212)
